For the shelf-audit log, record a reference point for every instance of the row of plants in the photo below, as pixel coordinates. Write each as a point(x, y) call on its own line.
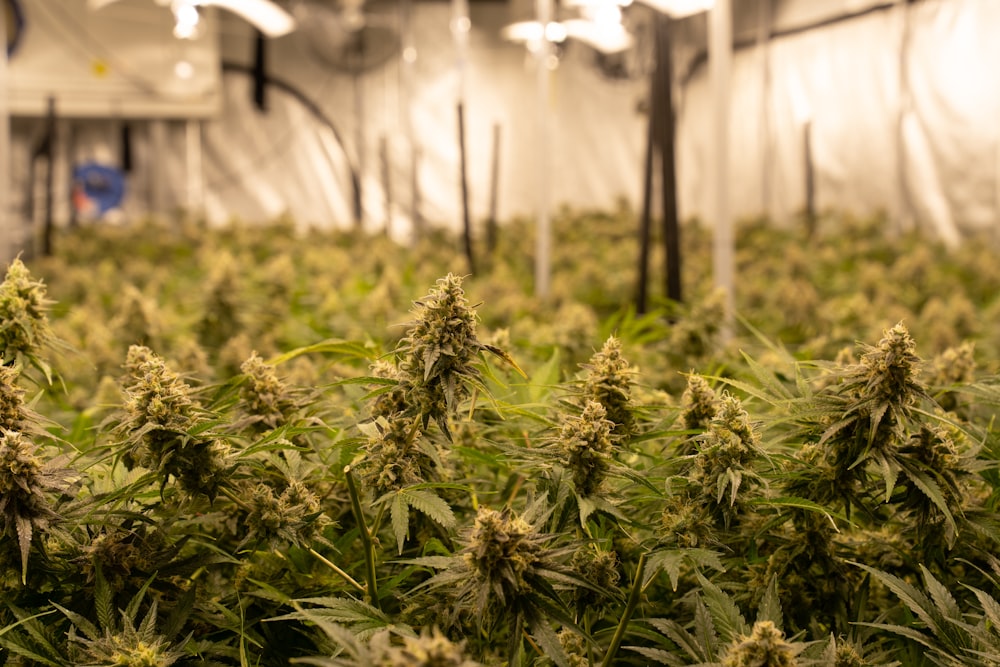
point(256, 445)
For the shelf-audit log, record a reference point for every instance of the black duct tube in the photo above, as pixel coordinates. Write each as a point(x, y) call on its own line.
point(45, 150)
point(260, 72)
point(665, 130)
point(701, 57)
point(660, 143)
point(126, 148)
point(318, 113)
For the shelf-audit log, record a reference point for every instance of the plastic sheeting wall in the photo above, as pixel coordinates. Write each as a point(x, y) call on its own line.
point(264, 164)
point(903, 109)
point(901, 104)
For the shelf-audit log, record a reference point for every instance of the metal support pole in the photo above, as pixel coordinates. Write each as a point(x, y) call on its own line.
point(49, 149)
point(460, 27)
point(6, 215)
point(491, 221)
point(720, 45)
point(646, 221)
point(668, 173)
point(543, 231)
point(383, 151)
point(195, 175)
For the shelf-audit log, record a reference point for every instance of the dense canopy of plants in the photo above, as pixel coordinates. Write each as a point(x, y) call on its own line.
point(251, 445)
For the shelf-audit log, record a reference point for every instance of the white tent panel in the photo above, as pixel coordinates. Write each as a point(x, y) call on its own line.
point(901, 102)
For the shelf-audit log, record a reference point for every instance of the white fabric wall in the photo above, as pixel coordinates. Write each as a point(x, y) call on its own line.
point(903, 106)
point(904, 110)
point(283, 160)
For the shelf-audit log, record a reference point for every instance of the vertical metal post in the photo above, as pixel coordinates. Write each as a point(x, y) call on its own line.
point(359, 146)
point(195, 174)
point(720, 44)
point(48, 224)
point(491, 221)
point(646, 221)
point(764, 46)
point(154, 168)
point(810, 178)
point(668, 172)
point(460, 27)
point(407, 76)
point(6, 214)
point(905, 109)
point(543, 231)
point(383, 151)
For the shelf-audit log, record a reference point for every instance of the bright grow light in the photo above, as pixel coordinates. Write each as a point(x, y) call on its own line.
point(678, 9)
point(264, 15)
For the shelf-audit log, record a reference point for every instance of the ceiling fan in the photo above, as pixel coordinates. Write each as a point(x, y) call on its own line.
point(265, 15)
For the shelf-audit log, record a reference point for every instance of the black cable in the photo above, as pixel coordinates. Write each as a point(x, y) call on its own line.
point(701, 58)
point(283, 144)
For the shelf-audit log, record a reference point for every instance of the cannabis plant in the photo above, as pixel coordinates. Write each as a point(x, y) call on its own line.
point(159, 427)
point(27, 487)
point(24, 322)
point(439, 355)
point(505, 581)
point(608, 381)
point(387, 649)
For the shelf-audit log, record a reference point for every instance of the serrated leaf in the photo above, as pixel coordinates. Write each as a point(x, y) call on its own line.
point(23, 525)
point(990, 607)
point(549, 643)
point(770, 605)
point(132, 610)
point(726, 616)
point(705, 631)
point(903, 631)
point(344, 348)
point(876, 419)
point(148, 626)
point(678, 635)
point(942, 597)
point(27, 652)
point(802, 503)
point(657, 655)
point(81, 622)
point(916, 601)
point(103, 602)
point(399, 512)
point(360, 616)
point(430, 504)
point(930, 488)
point(179, 615)
point(735, 479)
point(671, 562)
point(890, 473)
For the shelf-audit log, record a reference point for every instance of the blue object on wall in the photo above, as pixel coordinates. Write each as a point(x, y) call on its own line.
point(97, 188)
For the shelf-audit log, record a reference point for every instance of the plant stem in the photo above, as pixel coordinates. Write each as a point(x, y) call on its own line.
point(333, 566)
point(633, 602)
point(366, 538)
point(228, 493)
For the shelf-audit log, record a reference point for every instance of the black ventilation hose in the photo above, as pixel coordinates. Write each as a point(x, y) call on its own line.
point(260, 72)
point(318, 113)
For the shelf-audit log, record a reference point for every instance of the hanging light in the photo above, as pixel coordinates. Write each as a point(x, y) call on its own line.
point(186, 19)
point(678, 9)
point(264, 15)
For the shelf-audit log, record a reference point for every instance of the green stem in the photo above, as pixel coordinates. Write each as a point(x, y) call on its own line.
point(366, 538)
point(333, 566)
point(228, 493)
point(633, 602)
